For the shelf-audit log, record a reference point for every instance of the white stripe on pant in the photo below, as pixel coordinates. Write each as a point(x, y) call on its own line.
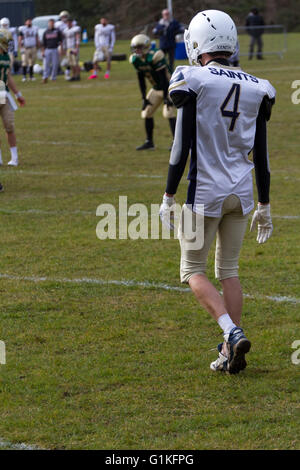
point(51, 62)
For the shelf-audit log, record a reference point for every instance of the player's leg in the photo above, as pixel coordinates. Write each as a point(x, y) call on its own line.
point(8, 118)
point(31, 61)
point(24, 64)
point(55, 64)
point(193, 264)
point(96, 68)
point(251, 47)
point(46, 65)
point(230, 237)
point(155, 98)
point(259, 48)
point(107, 55)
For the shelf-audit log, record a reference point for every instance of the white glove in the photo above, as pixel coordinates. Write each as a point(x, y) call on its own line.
point(166, 213)
point(262, 215)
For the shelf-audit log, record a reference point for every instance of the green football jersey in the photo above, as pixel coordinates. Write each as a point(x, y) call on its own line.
point(149, 65)
point(4, 68)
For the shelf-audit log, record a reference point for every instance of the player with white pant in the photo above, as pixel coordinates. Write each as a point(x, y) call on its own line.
point(104, 39)
point(222, 115)
point(29, 43)
point(7, 103)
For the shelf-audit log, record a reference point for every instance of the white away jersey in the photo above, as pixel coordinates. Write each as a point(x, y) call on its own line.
point(227, 105)
point(29, 35)
point(70, 35)
point(105, 36)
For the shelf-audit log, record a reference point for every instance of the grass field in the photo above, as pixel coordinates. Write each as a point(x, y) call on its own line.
point(93, 364)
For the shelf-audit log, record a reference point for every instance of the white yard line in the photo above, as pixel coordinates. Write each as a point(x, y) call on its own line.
point(11, 446)
point(79, 175)
point(133, 283)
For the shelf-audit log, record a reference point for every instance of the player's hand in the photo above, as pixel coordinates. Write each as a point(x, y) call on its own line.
point(145, 103)
point(21, 101)
point(166, 211)
point(262, 217)
point(168, 102)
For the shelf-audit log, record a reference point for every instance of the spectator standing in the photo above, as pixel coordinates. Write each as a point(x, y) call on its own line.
point(52, 39)
point(167, 29)
point(29, 43)
point(255, 28)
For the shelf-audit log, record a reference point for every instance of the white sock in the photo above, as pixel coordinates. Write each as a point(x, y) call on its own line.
point(1, 162)
point(14, 154)
point(226, 323)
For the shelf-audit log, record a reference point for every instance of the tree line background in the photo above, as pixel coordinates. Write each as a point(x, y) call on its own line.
point(130, 16)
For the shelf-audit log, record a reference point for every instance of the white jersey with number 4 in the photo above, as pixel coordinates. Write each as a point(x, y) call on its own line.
point(227, 105)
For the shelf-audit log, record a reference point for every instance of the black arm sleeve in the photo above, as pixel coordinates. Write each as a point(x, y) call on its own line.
point(260, 155)
point(142, 84)
point(185, 125)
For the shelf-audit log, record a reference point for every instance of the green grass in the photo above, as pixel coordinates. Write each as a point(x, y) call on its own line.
point(114, 367)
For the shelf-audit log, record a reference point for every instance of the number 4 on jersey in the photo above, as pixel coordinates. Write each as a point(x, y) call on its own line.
point(234, 114)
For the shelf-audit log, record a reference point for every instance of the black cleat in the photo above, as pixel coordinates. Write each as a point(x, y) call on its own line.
point(147, 145)
point(1, 188)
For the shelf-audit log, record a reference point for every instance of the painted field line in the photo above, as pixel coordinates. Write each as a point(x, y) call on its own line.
point(79, 175)
point(9, 445)
point(133, 283)
point(42, 212)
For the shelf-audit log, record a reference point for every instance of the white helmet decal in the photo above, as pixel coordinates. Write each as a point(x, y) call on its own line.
point(209, 31)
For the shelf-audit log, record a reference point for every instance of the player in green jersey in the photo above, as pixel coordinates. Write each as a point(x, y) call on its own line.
point(151, 64)
point(7, 103)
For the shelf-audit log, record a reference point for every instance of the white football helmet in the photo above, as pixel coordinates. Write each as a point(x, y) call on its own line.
point(64, 14)
point(140, 42)
point(5, 23)
point(209, 31)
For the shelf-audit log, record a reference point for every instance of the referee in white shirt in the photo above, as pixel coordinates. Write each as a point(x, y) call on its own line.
point(222, 115)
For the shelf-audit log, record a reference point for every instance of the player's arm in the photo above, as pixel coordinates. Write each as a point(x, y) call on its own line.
point(12, 86)
point(262, 215)
point(184, 132)
point(260, 152)
point(112, 40)
point(143, 89)
point(185, 126)
point(20, 39)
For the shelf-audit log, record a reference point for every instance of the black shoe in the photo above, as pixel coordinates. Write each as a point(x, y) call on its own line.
point(1, 188)
point(148, 145)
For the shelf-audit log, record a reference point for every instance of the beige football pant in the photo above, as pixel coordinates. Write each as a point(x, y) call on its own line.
point(8, 117)
point(28, 56)
point(156, 97)
point(230, 230)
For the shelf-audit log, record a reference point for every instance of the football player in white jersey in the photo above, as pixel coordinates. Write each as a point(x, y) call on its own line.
point(72, 39)
point(13, 45)
point(29, 43)
point(104, 39)
point(222, 116)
